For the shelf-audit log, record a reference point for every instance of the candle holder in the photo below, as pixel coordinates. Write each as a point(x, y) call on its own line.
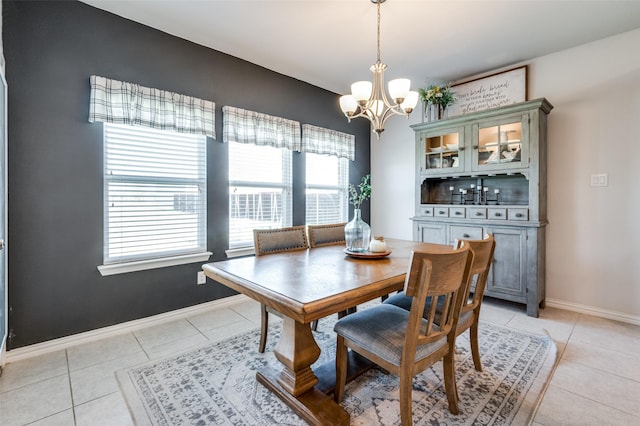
point(495, 200)
point(475, 195)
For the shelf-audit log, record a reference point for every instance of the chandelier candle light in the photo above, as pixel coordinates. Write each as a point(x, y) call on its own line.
point(369, 99)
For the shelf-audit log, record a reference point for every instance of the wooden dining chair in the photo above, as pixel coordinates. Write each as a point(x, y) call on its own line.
point(326, 235)
point(470, 312)
point(269, 241)
point(405, 342)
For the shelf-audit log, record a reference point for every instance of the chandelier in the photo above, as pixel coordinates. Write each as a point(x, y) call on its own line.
point(369, 99)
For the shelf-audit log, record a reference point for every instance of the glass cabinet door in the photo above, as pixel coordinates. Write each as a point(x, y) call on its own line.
point(442, 152)
point(500, 145)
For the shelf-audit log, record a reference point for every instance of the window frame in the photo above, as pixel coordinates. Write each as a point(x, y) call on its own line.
point(342, 188)
point(246, 247)
point(154, 259)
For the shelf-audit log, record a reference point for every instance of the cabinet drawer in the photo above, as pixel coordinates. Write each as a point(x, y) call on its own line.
point(499, 214)
point(441, 211)
point(518, 214)
point(477, 213)
point(465, 233)
point(458, 212)
point(426, 211)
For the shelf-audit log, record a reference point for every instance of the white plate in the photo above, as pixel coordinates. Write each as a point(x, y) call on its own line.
point(452, 146)
point(440, 149)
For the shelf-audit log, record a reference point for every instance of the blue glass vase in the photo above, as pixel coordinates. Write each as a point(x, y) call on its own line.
point(357, 233)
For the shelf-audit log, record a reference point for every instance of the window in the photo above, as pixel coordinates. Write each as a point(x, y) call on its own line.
point(326, 189)
point(260, 190)
point(154, 194)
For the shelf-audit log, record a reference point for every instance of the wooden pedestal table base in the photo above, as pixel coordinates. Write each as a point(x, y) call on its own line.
point(295, 384)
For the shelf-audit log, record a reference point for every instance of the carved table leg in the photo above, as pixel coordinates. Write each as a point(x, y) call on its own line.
point(295, 383)
point(297, 350)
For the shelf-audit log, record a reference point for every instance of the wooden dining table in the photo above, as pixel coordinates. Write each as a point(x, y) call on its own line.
point(304, 286)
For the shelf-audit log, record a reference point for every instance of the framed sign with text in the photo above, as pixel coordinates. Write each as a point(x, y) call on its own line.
point(493, 91)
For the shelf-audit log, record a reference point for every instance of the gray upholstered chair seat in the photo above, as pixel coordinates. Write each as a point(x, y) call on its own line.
point(382, 330)
point(403, 301)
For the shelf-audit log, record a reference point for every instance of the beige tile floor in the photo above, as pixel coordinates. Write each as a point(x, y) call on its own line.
point(596, 382)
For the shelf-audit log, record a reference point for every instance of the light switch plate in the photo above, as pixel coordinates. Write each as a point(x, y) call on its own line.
point(201, 277)
point(601, 179)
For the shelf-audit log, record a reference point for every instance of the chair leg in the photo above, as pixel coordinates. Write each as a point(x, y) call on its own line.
point(475, 348)
point(450, 382)
point(314, 325)
point(406, 386)
point(264, 327)
point(341, 369)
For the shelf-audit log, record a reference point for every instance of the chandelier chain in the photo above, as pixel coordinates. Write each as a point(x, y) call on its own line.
point(379, 30)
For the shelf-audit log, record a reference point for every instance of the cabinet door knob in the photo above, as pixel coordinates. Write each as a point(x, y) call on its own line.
point(478, 213)
point(465, 235)
point(458, 213)
point(498, 214)
point(519, 215)
point(461, 148)
point(441, 212)
point(475, 147)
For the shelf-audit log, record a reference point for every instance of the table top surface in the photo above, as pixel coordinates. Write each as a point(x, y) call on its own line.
point(310, 284)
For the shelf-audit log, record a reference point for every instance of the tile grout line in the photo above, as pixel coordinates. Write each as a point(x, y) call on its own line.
point(73, 404)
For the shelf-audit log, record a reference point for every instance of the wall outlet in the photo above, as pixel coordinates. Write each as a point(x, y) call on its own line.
point(600, 180)
point(201, 277)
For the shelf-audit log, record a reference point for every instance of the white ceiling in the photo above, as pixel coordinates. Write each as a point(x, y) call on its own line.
point(332, 43)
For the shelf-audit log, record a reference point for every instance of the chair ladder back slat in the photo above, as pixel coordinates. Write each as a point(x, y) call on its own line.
point(483, 256)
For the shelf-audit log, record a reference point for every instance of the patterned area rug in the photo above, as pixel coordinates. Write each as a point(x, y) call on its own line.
point(216, 384)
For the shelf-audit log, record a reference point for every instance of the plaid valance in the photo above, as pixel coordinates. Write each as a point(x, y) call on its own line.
point(120, 102)
point(243, 126)
point(326, 141)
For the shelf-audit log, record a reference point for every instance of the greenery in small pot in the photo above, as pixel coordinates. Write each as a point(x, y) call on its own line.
point(442, 96)
point(357, 196)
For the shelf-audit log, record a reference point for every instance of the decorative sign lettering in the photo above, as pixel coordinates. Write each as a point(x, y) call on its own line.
point(494, 91)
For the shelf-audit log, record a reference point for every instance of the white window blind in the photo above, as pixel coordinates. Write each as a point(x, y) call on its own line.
point(260, 188)
point(155, 193)
point(327, 179)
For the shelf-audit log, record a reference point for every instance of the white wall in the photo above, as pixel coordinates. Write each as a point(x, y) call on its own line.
point(593, 236)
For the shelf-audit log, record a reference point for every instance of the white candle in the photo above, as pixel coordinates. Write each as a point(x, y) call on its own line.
point(472, 186)
point(464, 192)
point(451, 188)
point(485, 189)
point(461, 190)
point(497, 191)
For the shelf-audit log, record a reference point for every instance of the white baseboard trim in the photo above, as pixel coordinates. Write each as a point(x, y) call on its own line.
point(113, 330)
point(592, 310)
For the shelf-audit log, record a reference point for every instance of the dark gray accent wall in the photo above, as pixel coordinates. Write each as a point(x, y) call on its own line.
point(55, 160)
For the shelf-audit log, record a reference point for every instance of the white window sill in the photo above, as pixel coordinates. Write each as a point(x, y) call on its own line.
point(244, 251)
point(141, 265)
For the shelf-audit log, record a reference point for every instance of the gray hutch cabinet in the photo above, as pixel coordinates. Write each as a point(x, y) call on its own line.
point(485, 172)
